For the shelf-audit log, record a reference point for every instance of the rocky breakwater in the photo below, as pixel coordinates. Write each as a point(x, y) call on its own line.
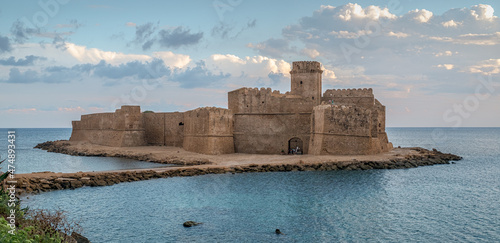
point(46, 181)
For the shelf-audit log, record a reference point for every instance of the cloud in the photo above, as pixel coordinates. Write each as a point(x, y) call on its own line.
point(446, 66)
point(131, 24)
point(312, 53)
point(21, 33)
point(29, 76)
point(144, 32)
point(5, 45)
point(483, 12)
point(451, 23)
point(25, 110)
point(273, 47)
point(248, 67)
point(178, 37)
point(421, 16)
point(225, 30)
point(445, 53)
point(197, 76)
point(172, 59)
point(487, 67)
point(152, 69)
point(94, 55)
point(73, 24)
point(78, 109)
point(27, 61)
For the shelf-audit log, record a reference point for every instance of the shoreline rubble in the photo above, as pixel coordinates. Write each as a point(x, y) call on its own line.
point(400, 158)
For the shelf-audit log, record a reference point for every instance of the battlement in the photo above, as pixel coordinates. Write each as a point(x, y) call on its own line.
point(348, 93)
point(266, 100)
point(306, 67)
point(207, 110)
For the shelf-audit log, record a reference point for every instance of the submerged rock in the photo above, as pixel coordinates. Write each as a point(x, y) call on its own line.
point(190, 223)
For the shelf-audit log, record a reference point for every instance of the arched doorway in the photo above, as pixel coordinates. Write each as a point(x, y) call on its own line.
point(295, 143)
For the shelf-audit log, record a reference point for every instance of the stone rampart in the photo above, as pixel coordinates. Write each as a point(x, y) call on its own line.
point(123, 128)
point(209, 130)
point(341, 130)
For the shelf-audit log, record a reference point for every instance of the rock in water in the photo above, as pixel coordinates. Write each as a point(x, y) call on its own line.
point(79, 238)
point(190, 223)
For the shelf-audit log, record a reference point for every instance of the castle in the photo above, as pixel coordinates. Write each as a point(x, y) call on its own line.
point(257, 121)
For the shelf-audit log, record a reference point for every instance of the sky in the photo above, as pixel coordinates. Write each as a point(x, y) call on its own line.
point(431, 63)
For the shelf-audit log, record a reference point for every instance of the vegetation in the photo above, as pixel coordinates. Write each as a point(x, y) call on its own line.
point(31, 225)
point(148, 112)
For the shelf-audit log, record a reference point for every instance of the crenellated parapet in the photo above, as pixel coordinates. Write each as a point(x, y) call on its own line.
point(348, 93)
point(306, 67)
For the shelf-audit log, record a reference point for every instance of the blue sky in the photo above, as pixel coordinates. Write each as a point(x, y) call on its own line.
point(432, 63)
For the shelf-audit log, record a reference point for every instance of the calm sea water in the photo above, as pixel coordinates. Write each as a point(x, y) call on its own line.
point(37, 160)
point(442, 203)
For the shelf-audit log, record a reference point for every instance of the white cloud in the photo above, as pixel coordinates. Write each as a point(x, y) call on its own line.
point(487, 67)
point(24, 110)
point(446, 66)
point(445, 53)
point(312, 53)
point(451, 23)
point(354, 11)
point(422, 16)
point(172, 59)
point(131, 24)
point(398, 34)
point(483, 12)
point(257, 66)
point(94, 55)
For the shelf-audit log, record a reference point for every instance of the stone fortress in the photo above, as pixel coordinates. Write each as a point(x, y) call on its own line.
point(257, 121)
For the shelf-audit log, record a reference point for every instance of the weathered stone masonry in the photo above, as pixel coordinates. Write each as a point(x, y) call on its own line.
point(262, 121)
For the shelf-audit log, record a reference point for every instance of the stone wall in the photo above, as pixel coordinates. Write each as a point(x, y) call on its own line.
point(123, 128)
point(360, 97)
point(253, 100)
point(166, 128)
point(270, 133)
point(209, 130)
point(343, 130)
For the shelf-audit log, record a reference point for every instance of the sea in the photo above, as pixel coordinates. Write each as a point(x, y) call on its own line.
point(457, 202)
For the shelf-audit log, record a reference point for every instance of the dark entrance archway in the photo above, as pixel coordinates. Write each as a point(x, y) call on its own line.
point(295, 143)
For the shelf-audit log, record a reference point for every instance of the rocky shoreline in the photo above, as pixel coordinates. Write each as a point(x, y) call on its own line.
point(64, 147)
point(47, 181)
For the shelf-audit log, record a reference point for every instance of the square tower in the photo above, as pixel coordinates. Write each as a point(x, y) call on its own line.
point(306, 80)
